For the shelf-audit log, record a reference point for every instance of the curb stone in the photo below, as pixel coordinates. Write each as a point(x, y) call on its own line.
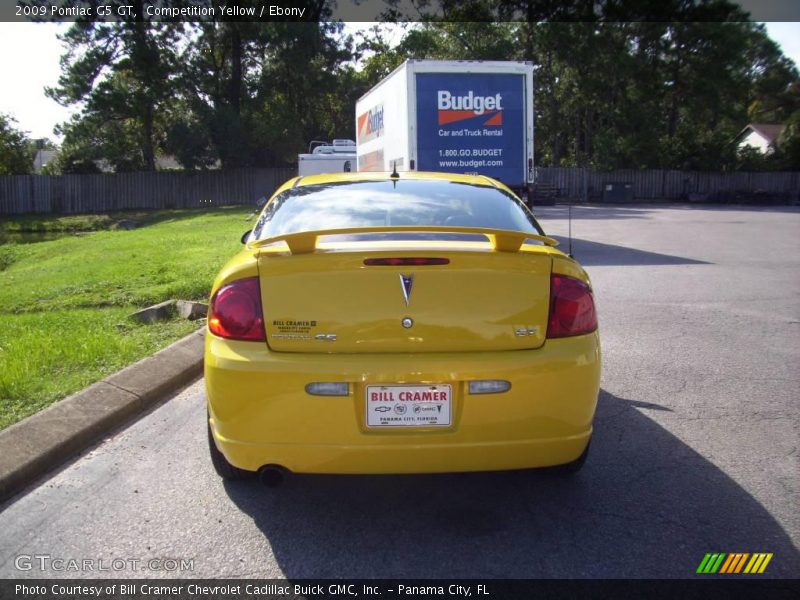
point(47, 439)
point(158, 312)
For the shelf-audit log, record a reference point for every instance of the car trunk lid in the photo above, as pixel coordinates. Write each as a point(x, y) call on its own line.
point(365, 298)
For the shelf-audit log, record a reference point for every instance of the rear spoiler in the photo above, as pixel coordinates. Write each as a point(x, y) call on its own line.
point(502, 240)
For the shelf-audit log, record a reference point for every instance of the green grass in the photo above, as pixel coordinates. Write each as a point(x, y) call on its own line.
point(65, 303)
point(96, 222)
point(57, 223)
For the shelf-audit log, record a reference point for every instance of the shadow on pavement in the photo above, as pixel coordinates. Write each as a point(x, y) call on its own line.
point(645, 505)
point(597, 254)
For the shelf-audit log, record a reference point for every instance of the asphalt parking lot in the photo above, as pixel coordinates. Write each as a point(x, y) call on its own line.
point(695, 447)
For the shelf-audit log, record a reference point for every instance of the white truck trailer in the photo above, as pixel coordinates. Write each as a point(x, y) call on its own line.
point(337, 157)
point(453, 116)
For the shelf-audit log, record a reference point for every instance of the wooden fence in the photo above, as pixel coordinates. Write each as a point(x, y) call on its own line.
point(72, 194)
point(669, 185)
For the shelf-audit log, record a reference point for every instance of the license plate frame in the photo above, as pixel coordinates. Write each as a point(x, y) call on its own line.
point(402, 406)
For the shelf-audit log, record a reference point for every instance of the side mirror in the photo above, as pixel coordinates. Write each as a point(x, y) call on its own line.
point(246, 235)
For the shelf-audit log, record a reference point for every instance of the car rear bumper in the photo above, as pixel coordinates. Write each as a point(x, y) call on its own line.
point(261, 415)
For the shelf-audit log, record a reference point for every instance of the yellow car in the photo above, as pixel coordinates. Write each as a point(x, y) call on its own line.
point(411, 323)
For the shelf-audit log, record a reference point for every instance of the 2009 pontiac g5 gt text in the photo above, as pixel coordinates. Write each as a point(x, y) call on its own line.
point(419, 323)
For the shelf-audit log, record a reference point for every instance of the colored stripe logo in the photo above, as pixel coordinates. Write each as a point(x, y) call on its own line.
point(370, 124)
point(446, 117)
point(734, 563)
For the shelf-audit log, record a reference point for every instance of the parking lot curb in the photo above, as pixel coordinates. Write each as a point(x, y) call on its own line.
point(47, 439)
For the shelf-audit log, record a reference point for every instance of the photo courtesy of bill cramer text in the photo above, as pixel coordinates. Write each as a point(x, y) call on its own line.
point(261, 590)
point(374, 589)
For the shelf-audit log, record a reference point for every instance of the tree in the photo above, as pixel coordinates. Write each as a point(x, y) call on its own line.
point(15, 156)
point(121, 73)
point(301, 92)
point(90, 142)
point(789, 143)
point(258, 93)
point(616, 90)
point(612, 87)
point(217, 64)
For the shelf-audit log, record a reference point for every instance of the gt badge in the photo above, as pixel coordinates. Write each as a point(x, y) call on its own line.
point(524, 331)
point(406, 282)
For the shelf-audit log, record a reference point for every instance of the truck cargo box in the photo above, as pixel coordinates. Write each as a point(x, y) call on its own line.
point(337, 157)
point(453, 116)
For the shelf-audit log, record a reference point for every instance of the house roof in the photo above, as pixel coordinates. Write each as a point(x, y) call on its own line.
point(42, 158)
point(769, 131)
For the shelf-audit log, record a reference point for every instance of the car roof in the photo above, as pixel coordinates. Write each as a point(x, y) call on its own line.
point(481, 180)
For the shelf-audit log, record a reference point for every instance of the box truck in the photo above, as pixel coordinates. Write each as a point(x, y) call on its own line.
point(454, 116)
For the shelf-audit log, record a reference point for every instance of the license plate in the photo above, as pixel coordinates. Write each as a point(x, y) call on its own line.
point(409, 405)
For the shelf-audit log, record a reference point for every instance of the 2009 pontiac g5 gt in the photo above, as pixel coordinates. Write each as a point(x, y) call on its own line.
point(377, 323)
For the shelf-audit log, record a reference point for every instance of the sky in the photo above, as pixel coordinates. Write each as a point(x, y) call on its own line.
point(30, 62)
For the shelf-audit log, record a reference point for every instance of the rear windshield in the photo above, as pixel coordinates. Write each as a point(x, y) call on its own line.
point(393, 203)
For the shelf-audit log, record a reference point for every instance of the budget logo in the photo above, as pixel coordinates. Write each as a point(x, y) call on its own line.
point(735, 563)
point(370, 124)
point(459, 108)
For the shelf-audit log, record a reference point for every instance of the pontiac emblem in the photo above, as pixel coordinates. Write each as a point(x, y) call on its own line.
point(407, 281)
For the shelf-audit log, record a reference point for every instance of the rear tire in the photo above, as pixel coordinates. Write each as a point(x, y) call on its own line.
point(573, 467)
point(221, 465)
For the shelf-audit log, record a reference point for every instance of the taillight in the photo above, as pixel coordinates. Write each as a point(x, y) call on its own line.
point(571, 308)
point(235, 312)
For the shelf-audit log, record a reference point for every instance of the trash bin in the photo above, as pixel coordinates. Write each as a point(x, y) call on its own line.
point(618, 191)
